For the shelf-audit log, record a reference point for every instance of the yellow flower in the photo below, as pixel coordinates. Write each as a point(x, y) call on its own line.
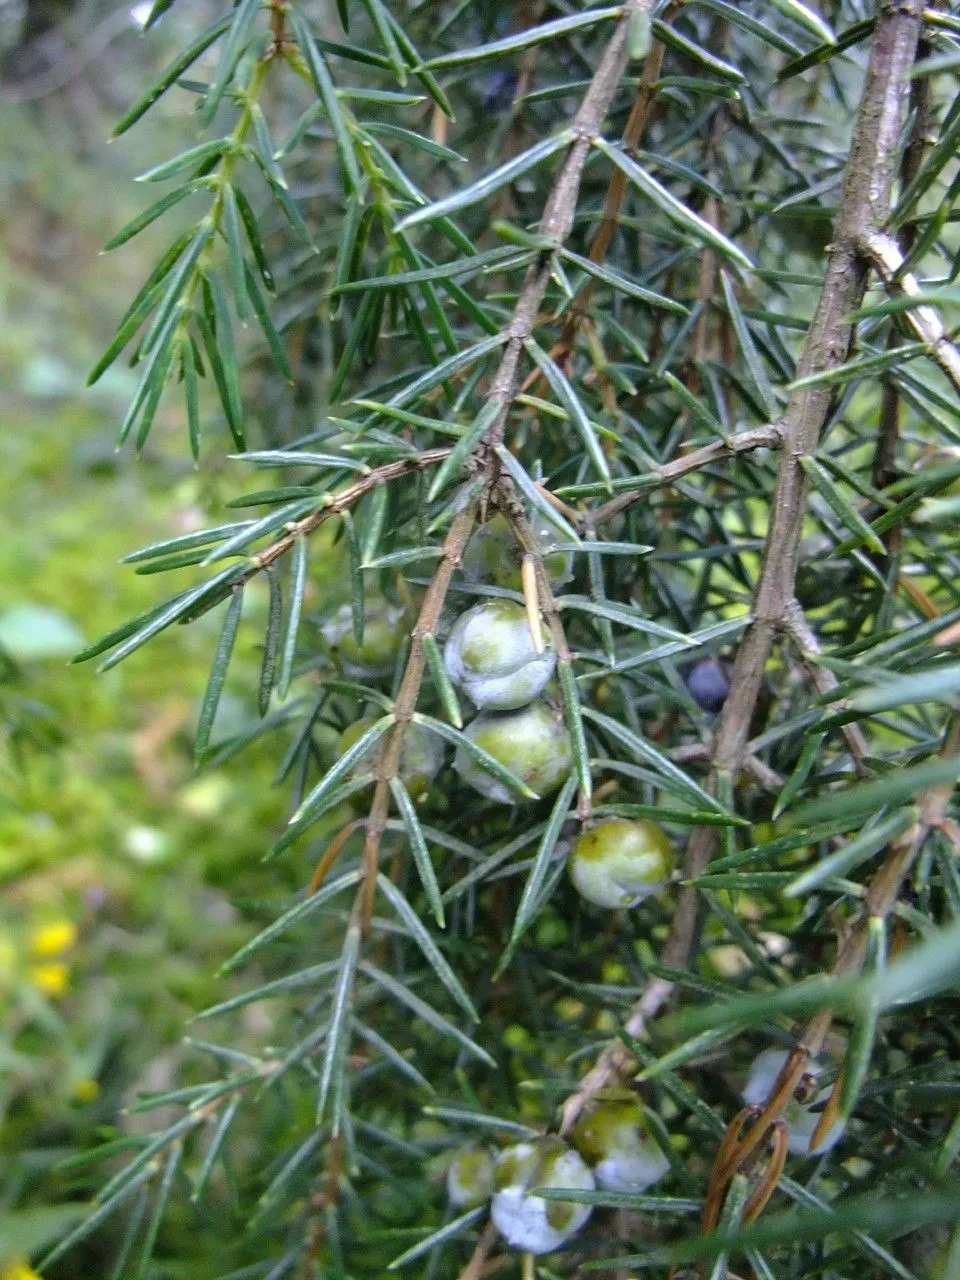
point(53, 939)
point(18, 1270)
point(86, 1090)
point(51, 978)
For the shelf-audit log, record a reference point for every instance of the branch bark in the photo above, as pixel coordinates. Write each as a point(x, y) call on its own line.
point(556, 223)
point(557, 220)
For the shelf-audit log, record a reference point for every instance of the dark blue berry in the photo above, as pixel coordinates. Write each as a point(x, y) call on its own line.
point(709, 683)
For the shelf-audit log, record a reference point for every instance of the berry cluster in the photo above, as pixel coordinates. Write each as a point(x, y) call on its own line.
point(613, 1148)
point(615, 863)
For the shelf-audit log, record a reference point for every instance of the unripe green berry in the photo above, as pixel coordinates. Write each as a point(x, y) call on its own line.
point(800, 1117)
point(490, 655)
point(383, 633)
point(531, 742)
point(615, 1142)
point(493, 555)
point(619, 862)
point(470, 1178)
point(421, 755)
point(524, 1219)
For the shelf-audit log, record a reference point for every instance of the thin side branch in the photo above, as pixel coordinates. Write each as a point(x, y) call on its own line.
point(884, 253)
point(824, 682)
point(337, 504)
point(388, 763)
point(767, 437)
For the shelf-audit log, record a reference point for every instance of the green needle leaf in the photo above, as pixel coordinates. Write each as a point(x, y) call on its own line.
point(422, 1010)
point(483, 758)
point(864, 1029)
point(331, 1089)
point(675, 210)
point(300, 911)
point(218, 674)
point(441, 681)
point(525, 39)
point(238, 266)
point(868, 843)
point(431, 951)
point(271, 642)
point(341, 768)
point(464, 447)
point(673, 777)
point(488, 184)
point(568, 398)
point(418, 847)
point(173, 72)
point(323, 82)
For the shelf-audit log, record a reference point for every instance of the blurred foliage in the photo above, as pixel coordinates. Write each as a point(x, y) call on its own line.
point(119, 866)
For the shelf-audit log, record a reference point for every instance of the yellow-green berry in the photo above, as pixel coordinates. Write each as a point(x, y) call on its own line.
point(493, 555)
point(615, 1141)
point(421, 755)
point(383, 632)
point(470, 1178)
point(523, 1218)
point(531, 742)
point(490, 655)
point(619, 862)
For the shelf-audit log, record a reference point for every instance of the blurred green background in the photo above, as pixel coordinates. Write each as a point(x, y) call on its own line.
point(119, 866)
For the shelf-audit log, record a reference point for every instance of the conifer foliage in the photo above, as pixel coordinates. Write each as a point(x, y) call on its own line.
point(607, 351)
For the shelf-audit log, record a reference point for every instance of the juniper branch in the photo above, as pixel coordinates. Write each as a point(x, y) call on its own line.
point(864, 207)
point(556, 223)
point(634, 129)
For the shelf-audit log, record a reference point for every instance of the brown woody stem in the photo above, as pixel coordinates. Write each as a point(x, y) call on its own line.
point(632, 133)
